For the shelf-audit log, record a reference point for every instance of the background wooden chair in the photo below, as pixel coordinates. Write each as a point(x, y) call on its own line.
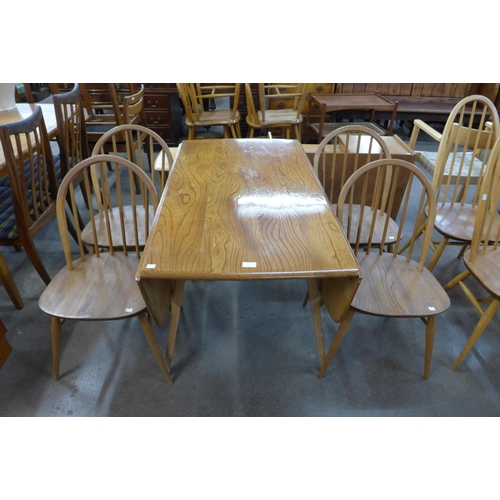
point(287, 118)
point(100, 286)
point(197, 97)
point(339, 155)
point(393, 285)
point(28, 194)
point(482, 259)
point(459, 167)
point(103, 116)
point(146, 149)
point(71, 128)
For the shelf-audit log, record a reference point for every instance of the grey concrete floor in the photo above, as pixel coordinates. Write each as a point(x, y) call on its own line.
point(244, 349)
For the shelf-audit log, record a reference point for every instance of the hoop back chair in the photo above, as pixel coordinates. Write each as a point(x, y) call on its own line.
point(393, 285)
point(482, 259)
point(196, 97)
point(100, 286)
point(287, 118)
point(340, 154)
point(28, 193)
point(459, 168)
point(146, 149)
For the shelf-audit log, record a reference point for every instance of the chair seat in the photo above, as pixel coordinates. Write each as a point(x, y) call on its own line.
point(116, 231)
point(393, 287)
point(99, 288)
point(457, 221)
point(486, 268)
point(218, 117)
point(378, 231)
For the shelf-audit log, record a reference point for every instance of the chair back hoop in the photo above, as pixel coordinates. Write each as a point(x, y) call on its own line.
point(333, 165)
point(133, 105)
point(94, 171)
point(464, 150)
point(188, 98)
point(373, 177)
point(31, 168)
point(486, 233)
point(71, 128)
point(144, 139)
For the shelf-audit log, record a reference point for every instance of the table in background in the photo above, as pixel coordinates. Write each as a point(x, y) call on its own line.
point(245, 209)
point(348, 102)
point(22, 111)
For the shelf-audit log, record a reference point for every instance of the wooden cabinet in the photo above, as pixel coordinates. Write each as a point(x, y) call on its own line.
point(163, 111)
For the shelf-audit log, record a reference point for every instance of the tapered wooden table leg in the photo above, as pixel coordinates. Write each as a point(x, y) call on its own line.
point(312, 284)
point(174, 318)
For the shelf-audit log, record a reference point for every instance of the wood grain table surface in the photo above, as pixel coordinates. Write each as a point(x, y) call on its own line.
point(245, 209)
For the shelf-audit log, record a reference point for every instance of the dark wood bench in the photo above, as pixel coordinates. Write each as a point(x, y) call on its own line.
point(428, 101)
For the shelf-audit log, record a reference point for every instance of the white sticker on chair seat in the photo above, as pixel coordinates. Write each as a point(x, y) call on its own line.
point(150, 266)
point(249, 264)
point(431, 308)
point(129, 309)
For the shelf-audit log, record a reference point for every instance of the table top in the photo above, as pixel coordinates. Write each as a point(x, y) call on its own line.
point(24, 110)
point(245, 209)
point(337, 102)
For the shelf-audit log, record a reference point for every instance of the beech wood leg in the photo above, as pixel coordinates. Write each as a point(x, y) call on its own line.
point(314, 298)
point(153, 343)
point(341, 331)
point(429, 344)
point(482, 324)
point(56, 346)
point(437, 254)
point(175, 311)
point(456, 280)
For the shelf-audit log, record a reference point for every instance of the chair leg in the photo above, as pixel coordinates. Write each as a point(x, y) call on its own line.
point(153, 344)
point(429, 344)
point(437, 254)
point(456, 280)
point(33, 255)
point(56, 346)
point(341, 331)
point(9, 283)
point(191, 134)
point(478, 330)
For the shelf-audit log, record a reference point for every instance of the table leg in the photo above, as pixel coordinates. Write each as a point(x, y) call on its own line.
point(175, 311)
point(314, 299)
point(321, 123)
